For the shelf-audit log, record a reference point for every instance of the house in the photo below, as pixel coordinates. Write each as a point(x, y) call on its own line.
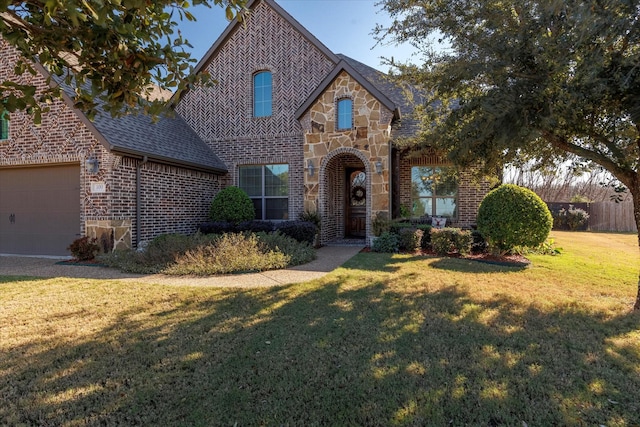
point(298, 127)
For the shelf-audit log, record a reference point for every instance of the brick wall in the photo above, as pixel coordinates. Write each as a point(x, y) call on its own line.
point(470, 191)
point(61, 138)
point(223, 115)
point(174, 199)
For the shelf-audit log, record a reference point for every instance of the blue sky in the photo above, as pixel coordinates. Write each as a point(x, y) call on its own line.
point(349, 32)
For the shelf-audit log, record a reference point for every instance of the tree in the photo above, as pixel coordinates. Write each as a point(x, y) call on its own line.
point(527, 79)
point(117, 49)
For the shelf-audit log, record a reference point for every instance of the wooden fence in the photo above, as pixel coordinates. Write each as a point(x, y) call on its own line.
point(611, 216)
point(605, 216)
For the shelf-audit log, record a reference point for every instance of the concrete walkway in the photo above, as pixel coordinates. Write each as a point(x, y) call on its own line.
point(328, 259)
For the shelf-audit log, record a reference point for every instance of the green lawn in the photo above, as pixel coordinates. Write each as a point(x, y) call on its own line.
point(386, 340)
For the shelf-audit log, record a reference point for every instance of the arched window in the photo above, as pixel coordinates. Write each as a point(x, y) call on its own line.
point(345, 113)
point(4, 126)
point(262, 94)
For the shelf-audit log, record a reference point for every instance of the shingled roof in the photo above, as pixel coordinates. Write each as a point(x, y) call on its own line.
point(170, 140)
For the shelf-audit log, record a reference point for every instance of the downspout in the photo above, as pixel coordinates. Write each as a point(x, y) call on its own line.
point(138, 201)
point(391, 172)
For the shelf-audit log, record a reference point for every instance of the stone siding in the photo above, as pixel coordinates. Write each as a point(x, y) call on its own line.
point(367, 143)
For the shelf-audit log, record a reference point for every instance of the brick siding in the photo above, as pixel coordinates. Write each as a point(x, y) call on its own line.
point(174, 200)
point(223, 115)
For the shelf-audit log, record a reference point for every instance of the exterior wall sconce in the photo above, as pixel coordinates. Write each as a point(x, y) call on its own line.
point(92, 165)
point(310, 168)
point(379, 167)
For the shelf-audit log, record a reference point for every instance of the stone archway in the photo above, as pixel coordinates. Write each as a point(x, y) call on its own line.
point(341, 217)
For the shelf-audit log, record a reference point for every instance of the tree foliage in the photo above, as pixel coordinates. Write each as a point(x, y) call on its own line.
point(117, 49)
point(527, 79)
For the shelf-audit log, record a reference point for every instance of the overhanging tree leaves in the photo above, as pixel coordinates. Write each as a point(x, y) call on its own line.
point(523, 79)
point(117, 49)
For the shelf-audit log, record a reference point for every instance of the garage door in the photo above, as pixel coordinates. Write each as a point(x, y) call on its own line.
point(39, 209)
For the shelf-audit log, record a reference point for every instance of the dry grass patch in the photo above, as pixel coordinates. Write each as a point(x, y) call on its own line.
point(386, 340)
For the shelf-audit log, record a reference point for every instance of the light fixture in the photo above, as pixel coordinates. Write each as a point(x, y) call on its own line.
point(92, 165)
point(379, 167)
point(310, 167)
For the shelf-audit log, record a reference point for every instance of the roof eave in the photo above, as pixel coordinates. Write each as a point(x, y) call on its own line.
point(369, 87)
point(127, 152)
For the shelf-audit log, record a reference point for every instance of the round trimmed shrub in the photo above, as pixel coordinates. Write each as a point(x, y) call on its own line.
point(233, 205)
point(512, 216)
point(386, 242)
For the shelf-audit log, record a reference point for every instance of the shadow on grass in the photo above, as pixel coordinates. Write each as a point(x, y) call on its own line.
point(12, 279)
point(336, 352)
point(474, 266)
point(390, 263)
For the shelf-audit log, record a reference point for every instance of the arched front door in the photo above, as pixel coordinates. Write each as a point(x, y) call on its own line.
point(356, 202)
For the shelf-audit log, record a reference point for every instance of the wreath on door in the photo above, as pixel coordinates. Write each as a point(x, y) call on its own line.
point(358, 193)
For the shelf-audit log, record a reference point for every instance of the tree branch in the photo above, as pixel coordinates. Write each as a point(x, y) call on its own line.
point(626, 176)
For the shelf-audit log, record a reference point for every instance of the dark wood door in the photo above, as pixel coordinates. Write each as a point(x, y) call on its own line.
point(356, 200)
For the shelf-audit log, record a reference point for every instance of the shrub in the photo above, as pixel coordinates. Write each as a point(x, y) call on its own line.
point(310, 216)
point(84, 248)
point(298, 252)
point(511, 216)
point(409, 239)
point(396, 226)
point(216, 227)
point(213, 254)
point(446, 240)
point(380, 223)
point(386, 242)
point(255, 226)
point(233, 205)
point(572, 219)
point(425, 242)
point(160, 252)
point(462, 241)
point(230, 253)
point(302, 231)
point(478, 243)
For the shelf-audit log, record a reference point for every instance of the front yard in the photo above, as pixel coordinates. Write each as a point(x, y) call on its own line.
point(385, 340)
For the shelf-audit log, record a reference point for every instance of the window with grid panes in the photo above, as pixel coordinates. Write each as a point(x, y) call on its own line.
point(434, 191)
point(268, 189)
point(262, 94)
point(4, 126)
point(345, 113)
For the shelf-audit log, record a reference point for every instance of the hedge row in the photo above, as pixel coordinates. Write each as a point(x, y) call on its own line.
point(302, 231)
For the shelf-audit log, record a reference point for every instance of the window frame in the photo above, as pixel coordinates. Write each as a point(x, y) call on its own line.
point(340, 114)
point(263, 197)
point(435, 196)
point(4, 126)
point(259, 99)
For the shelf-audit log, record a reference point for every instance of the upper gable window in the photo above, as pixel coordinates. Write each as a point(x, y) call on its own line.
point(345, 113)
point(4, 126)
point(262, 94)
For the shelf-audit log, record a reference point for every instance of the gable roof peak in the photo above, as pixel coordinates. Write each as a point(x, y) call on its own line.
point(251, 5)
point(346, 66)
